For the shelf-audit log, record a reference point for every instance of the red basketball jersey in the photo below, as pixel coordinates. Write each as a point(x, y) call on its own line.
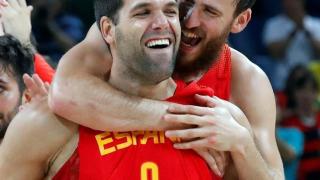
point(148, 154)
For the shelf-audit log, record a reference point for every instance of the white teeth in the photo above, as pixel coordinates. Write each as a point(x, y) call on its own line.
point(159, 42)
point(190, 35)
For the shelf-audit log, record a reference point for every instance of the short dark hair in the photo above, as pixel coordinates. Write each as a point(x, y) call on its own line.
point(15, 59)
point(108, 8)
point(242, 5)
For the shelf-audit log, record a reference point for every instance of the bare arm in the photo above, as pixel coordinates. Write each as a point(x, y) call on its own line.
point(33, 136)
point(252, 93)
point(81, 94)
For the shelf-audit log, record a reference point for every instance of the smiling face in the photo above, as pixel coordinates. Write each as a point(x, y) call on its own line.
point(206, 25)
point(147, 39)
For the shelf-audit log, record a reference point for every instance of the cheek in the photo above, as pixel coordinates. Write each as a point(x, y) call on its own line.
point(175, 25)
point(9, 100)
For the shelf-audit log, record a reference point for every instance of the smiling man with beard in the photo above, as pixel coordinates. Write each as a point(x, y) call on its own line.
point(204, 59)
point(39, 144)
point(14, 62)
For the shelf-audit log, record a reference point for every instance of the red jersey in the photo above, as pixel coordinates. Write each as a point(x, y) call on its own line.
point(148, 154)
point(43, 69)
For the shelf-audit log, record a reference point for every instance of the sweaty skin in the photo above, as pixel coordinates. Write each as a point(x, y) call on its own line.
point(144, 114)
point(47, 142)
point(209, 21)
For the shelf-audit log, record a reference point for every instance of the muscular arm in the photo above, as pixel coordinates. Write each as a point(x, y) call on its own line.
point(33, 136)
point(252, 93)
point(81, 94)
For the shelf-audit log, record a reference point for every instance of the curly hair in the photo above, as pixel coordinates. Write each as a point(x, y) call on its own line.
point(15, 59)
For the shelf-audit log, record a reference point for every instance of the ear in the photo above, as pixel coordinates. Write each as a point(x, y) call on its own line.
point(241, 21)
point(106, 27)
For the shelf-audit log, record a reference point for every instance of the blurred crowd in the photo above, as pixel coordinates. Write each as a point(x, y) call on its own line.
point(283, 38)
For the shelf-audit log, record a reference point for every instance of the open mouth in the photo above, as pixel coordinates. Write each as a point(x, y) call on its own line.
point(158, 43)
point(190, 39)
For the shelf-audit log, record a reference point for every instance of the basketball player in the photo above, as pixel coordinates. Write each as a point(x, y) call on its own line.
point(204, 59)
point(38, 144)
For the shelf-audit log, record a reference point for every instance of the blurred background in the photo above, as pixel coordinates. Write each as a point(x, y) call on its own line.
point(283, 38)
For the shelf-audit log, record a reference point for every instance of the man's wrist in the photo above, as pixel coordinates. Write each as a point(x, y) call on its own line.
point(244, 141)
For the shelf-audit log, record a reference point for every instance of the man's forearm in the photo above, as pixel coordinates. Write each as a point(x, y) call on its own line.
point(250, 164)
point(104, 108)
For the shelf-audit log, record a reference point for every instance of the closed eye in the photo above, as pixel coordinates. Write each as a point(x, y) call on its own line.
point(142, 13)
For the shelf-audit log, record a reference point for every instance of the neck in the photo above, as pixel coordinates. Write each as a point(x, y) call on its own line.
point(190, 77)
point(135, 85)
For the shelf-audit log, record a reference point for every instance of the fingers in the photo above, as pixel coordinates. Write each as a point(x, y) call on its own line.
point(47, 86)
point(14, 4)
point(188, 109)
point(190, 133)
point(3, 3)
point(35, 85)
point(219, 159)
point(6, 11)
point(28, 82)
point(38, 81)
point(210, 161)
point(205, 101)
point(206, 142)
point(30, 8)
point(22, 3)
point(184, 119)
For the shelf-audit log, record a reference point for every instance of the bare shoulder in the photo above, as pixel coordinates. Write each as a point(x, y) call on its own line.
point(34, 135)
point(243, 68)
point(90, 55)
point(251, 90)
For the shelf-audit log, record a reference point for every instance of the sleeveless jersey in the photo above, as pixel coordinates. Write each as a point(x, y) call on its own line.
point(148, 154)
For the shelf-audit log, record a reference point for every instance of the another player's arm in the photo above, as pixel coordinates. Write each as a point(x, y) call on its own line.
point(32, 138)
point(81, 94)
point(252, 93)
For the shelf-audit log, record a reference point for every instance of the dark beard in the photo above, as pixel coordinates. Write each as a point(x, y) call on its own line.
point(3, 129)
point(209, 56)
point(6, 121)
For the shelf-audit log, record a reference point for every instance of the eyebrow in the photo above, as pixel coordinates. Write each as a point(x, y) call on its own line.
point(172, 4)
point(139, 6)
point(211, 8)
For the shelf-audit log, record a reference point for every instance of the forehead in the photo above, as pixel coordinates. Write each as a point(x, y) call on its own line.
point(216, 3)
point(6, 75)
point(132, 4)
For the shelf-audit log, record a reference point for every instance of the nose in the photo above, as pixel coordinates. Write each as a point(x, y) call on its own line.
point(160, 22)
point(191, 20)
